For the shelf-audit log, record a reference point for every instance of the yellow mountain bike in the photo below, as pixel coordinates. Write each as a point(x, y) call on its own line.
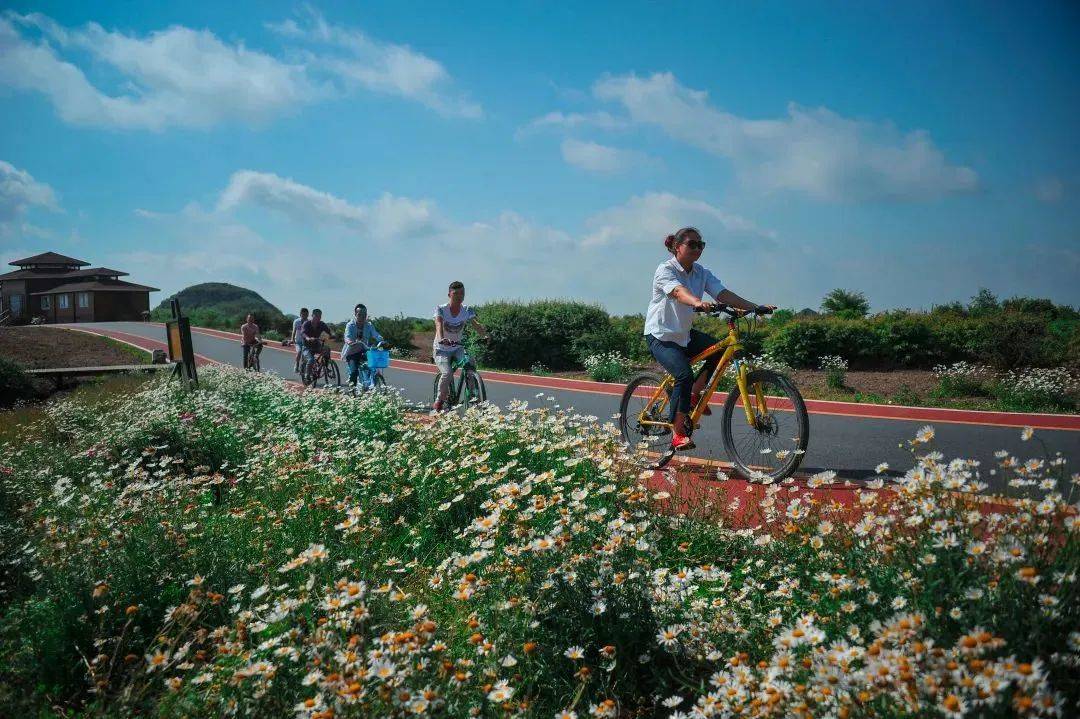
point(767, 438)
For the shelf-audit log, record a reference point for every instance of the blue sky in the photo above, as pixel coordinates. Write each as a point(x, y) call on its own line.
point(330, 153)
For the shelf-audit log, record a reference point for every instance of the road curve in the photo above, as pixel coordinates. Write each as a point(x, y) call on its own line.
point(852, 445)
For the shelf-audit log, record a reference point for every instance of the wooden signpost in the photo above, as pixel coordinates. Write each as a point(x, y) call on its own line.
point(181, 351)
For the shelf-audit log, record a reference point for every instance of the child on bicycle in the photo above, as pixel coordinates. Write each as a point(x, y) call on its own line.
point(679, 285)
point(450, 321)
point(360, 335)
point(252, 340)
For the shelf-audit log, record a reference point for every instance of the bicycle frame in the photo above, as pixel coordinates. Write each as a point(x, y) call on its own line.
point(728, 346)
point(458, 387)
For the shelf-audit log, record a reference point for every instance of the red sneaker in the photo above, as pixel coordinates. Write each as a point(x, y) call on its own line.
point(437, 406)
point(694, 400)
point(681, 442)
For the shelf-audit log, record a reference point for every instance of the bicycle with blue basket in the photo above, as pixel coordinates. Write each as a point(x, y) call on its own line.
point(370, 375)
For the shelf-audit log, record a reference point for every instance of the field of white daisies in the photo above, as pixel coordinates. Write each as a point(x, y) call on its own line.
point(246, 550)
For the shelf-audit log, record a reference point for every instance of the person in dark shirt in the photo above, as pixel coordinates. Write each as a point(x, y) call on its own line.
point(312, 331)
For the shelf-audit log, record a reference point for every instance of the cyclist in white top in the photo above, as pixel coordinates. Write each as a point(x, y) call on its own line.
point(450, 321)
point(679, 286)
point(297, 337)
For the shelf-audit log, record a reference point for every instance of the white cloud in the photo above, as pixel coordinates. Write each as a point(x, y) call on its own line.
point(648, 219)
point(571, 121)
point(379, 66)
point(814, 151)
point(1049, 190)
point(19, 192)
point(386, 218)
point(182, 77)
point(172, 77)
point(594, 157)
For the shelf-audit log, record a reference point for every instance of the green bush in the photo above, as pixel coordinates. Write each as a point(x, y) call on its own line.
point(15, 384)
point(398, 331)
point(905, 340)
point(623, 335)
point(542, 331)
point(804, 342)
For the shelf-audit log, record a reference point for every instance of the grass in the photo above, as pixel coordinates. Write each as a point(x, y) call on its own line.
point(138, 356)
point(246, 549)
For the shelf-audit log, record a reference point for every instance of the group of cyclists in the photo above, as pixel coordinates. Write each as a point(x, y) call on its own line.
point(678, 291)
point(360, 335)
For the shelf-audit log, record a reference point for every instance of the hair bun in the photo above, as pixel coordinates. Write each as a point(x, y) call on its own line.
point(669, 243)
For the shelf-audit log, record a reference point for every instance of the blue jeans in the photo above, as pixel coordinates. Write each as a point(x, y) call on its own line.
point(676, 360)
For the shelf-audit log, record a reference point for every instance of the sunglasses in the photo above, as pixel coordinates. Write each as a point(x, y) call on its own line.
point(695, 244)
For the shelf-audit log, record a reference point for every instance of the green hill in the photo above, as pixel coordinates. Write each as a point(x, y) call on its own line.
point(221, 305)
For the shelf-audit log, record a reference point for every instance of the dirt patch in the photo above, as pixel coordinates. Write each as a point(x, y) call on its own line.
point(42, 347)
point(422, 341)
point(886, 384)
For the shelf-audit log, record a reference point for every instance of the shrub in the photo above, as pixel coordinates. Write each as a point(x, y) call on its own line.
point(1037, 390)
point(15, 384)
point(835, 369)
point(608, 367)
point(607, 338)
point(398, 331)
point(539, 369)
point(803, 343)
point(542, 331)
point(845, 303)
point(271, 335)
point(905, 340)
point(963, 379)
point(1012, 340)
point(984, 302)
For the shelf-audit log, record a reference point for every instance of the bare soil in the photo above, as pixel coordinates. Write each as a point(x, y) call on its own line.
point(42, 347)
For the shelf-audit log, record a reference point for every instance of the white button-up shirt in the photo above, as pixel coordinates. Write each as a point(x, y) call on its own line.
point(667, 318)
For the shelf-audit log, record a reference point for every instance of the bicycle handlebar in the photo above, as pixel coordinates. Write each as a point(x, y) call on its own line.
point(736, 312)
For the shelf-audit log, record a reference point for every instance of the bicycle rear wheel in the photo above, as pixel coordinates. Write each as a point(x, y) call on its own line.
point(774, 445)
point(637, 405)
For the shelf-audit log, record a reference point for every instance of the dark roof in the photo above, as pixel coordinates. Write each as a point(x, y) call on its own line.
point(98, 286)
point(104, 271)
point(49, 258)
point(52, 274)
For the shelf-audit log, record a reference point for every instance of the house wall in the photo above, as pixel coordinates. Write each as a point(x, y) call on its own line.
point(120, 306)
point(15, 287)
point(64, 314)
point(85, 314)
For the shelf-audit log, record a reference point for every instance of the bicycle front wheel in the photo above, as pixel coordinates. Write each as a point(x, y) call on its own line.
point(435, 391)
point(332, 374)
point(474, 386)
point(643, 421)
point(773, 445)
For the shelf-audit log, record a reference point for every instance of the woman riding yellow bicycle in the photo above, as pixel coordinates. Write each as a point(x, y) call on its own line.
point(679, 286)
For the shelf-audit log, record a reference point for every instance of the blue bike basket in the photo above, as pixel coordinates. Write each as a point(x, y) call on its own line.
point(378, 359)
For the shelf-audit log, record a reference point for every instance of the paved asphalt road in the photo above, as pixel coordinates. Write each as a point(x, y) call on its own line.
point(852, 446)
